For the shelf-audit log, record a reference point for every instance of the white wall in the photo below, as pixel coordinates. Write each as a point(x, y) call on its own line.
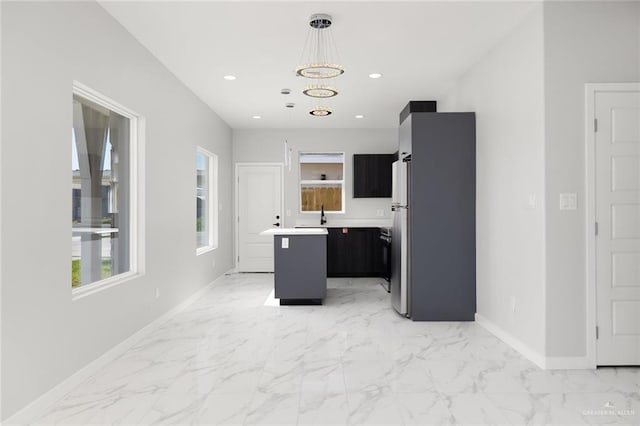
point(46, 335)
point(585, 42)
point(267, 145)
point(505, 89)
point(1, 115)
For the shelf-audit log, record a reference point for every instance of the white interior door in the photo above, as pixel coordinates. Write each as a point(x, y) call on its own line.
point(259, 192)
point(617, 174)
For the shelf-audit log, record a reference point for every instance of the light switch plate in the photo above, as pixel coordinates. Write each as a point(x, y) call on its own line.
point(569, 201)
point(285, 242)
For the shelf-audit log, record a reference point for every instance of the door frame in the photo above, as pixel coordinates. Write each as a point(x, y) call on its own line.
point(236, 215)
point(591, 91)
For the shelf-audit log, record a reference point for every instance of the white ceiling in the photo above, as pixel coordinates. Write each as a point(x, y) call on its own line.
point(419, 47)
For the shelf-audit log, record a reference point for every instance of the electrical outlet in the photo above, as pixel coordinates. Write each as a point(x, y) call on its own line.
point(288, 213)
point(157, 292)
point(513, 304)
point(531, 204)
point(380, 212)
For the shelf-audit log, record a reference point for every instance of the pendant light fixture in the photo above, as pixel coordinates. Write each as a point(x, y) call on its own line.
point(320, 111)
point(320, 91)
point(319, 62)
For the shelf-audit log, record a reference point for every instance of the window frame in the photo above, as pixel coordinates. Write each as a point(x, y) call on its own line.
point(342, 182)
point(212, 200)
point(136, 232)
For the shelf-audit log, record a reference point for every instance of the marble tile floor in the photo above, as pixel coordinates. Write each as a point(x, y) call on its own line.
point(231, 359)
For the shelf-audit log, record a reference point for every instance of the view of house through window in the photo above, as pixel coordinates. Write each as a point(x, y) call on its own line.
point(206, 202)
point(322, 181)
point(100, 188)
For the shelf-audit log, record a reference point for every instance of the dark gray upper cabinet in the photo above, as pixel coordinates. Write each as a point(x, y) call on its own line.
point(372, 175)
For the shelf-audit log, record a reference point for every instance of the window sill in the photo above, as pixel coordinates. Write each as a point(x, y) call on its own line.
point(98, 286)
point(321, 182)
point(203, 250)
point(325, 212)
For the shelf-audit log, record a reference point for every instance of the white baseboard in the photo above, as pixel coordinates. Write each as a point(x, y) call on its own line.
point(512, 341)
point(544, 362)
point(46, 401)
point(569, 363)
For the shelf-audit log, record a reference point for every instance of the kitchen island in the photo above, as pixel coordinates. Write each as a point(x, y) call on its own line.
point(300, 264)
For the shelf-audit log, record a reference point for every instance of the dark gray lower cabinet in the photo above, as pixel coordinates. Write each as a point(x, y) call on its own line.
point(300, 268)
point(354, 252)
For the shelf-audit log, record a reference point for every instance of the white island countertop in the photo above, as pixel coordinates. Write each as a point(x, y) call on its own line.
point(295, 231)
point(346, 223)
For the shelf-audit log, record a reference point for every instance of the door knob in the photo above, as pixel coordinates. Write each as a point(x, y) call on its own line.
point(276, 224)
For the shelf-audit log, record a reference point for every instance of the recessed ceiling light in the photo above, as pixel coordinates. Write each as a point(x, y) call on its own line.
point(375, 75)
point(229, 77)
point(359, 116)
point(256, 117)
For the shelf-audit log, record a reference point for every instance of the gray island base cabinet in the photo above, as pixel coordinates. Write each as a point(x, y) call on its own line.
point(300, 265)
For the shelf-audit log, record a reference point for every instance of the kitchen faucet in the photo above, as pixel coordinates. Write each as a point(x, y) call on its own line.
point(323, 218)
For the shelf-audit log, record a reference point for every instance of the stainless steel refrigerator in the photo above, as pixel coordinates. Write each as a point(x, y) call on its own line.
point(400, 256)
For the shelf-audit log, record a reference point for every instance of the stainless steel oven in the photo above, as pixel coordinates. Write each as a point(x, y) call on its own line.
point(385, 237)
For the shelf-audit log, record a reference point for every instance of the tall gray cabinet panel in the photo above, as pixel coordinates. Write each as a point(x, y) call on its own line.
point(442, 152)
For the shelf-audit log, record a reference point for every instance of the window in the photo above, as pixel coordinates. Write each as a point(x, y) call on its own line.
point(103, 138)
point(206, 201)
point(322, 181)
